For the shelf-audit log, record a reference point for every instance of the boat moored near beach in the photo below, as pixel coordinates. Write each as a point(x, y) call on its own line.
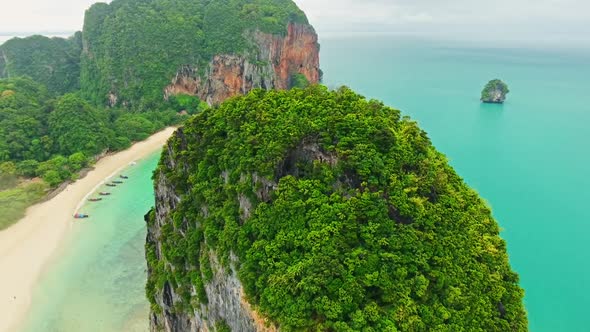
point(111, 185)
point(95, 199)
point(41, 250)
point(124, 177)
point(117, 182)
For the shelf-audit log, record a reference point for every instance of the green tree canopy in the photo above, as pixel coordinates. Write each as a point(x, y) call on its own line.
point(34, 126)
point(343, 216)
point(53, 62)
point(299, 81)
point(135, 47)
point(495, 91)
point(135, 127)
point(23, 112)
point(75, 126)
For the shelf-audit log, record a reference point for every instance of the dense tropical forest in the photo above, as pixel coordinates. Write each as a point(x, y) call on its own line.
point(47, 139)
point(54, 92)
point(342, 214)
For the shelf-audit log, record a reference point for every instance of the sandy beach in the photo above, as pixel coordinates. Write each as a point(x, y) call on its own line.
point(27, 246)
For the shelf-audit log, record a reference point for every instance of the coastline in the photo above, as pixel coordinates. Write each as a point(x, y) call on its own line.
point(29, 245)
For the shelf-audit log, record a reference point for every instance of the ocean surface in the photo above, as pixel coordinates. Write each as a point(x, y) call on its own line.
point(529, 158)
point(97, 282)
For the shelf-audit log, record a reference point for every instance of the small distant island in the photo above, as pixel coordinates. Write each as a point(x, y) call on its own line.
point(494, 92)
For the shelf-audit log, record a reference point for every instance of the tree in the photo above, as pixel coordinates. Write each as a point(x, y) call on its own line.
point(134, 127)
point(299, 81)
point(77, 161)
point(7, 175)
point(75, 126)
point(22, 114)
point(58, 164)
point(53, 62)
point(120, 143)
point(52, 177)
point(190, 104)
point(19, 139)
point(28, 168)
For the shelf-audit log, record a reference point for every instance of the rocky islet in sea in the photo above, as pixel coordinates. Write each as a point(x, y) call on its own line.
point(494, 92)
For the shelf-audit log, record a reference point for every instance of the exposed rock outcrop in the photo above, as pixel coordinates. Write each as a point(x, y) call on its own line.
point(3, 60)
point(278, 59)
point(226, 303)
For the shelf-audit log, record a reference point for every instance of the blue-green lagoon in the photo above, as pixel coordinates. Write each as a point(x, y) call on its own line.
point(97, 282)
point(529, 158)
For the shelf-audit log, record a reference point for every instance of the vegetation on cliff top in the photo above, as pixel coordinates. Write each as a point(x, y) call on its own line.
point(136, 47)
point(494, 92)
point(343, 215)
point(53, 62)
point(133, 48)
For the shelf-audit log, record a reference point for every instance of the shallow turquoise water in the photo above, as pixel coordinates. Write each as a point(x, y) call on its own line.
point(529, 158)
point(97, 283)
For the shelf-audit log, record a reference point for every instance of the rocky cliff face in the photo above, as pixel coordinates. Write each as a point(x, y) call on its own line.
point(496, 97)
point(3, 60)
point(226, 304)
point(278, 58)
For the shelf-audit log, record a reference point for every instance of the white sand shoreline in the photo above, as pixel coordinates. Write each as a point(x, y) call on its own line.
point(27, 246)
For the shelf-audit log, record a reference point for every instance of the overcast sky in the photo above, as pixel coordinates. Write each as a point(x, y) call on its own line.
point(464, 19)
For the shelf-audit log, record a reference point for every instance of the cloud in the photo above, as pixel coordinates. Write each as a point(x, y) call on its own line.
point(512, 19)
point(419, 18)
point(43, 15)
point(515, 19)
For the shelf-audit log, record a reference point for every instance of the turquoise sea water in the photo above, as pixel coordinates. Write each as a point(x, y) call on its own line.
point(529, 158)
point(97, 283)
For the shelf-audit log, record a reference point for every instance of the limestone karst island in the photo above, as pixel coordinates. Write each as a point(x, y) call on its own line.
point(494, 92)
point(199, 165)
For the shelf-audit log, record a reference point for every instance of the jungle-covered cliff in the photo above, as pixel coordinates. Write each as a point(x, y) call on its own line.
point(138, 66)
point(317, 210)
point(53, 62)
point(136, 53)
